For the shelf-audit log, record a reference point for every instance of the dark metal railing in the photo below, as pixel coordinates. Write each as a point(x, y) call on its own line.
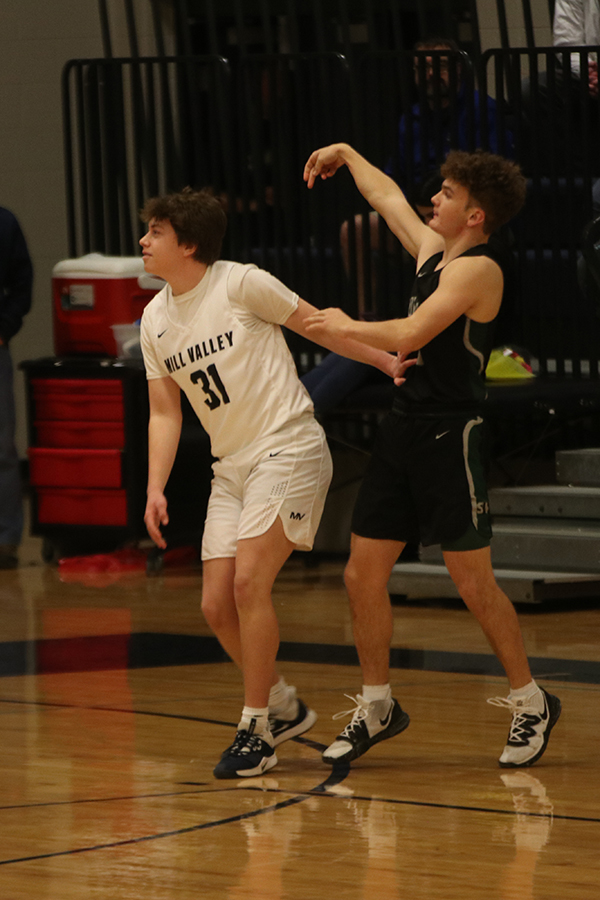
point(135, 128)
point(556, 125)
point(237, 28)
point(300, 26)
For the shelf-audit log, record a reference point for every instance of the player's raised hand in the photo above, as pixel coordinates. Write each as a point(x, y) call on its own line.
point(323, 163)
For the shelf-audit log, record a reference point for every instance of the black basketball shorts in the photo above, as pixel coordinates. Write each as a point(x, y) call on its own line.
point(425, 482)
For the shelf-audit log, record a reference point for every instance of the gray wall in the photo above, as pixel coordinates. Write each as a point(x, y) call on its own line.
point(489, 31)
point(37, 37)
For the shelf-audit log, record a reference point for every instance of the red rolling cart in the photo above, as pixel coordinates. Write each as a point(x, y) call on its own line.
point(87, 427)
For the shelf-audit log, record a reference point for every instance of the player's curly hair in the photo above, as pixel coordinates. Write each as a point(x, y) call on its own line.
point(496, 184)
point(197, 218)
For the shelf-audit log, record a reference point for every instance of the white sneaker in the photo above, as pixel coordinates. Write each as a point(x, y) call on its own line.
point(371, 723)
point(533, 720)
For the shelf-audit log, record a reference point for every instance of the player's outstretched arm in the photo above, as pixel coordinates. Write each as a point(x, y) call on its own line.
point(392, 365)
point(164, 430)
point(470, 287)
point(377, 188)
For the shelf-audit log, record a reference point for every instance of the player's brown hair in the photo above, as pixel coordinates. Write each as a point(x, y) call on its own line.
point(494, 183)
point(197, 218)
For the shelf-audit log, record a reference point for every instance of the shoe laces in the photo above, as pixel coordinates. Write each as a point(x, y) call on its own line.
point(523, 717)
point(253, 743)
point(246, 743)
point(359, 711)
point(240, 740)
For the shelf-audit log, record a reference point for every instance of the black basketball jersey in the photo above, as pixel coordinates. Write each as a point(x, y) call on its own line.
point(449, 374)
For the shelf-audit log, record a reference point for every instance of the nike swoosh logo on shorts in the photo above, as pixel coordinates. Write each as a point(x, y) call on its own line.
point(275, 454)
point(162, 332)
point(438, 436)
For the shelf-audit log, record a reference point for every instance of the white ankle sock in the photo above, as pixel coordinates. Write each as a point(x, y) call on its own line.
point(260, 714)
point(524, 693)
point(373, 692)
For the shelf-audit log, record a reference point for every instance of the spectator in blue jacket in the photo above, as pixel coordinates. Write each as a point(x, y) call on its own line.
point(447, 115)
point(16, 281)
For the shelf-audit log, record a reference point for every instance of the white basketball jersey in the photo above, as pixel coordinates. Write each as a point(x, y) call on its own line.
point(232, 362)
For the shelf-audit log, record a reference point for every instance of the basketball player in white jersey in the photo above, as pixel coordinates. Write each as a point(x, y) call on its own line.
point(214, 333)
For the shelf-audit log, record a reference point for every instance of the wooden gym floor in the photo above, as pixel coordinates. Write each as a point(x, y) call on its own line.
point(115, 708)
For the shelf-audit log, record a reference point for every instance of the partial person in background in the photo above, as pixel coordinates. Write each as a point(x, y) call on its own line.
point(445, 116)
point(577, 24)
point(16, 282)
point(562, 119)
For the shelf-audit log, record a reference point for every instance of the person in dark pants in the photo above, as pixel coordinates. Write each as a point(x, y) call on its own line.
point(16, 281)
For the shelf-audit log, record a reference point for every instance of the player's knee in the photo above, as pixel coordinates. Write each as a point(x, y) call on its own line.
point(216, 613)
point(219, 611)
point(247, 586)
point(468, 590)
point(209, 610)
point(477, 594)
point(355, 577)
point(366, 571)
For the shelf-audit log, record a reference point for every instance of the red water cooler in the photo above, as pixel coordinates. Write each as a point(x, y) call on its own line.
point(93, 293)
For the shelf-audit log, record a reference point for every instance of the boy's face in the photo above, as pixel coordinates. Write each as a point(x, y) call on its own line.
point(452, 208)
point(436, 75)
point(161, 252)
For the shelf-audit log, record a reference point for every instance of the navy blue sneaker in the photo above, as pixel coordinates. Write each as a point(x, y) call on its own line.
point(249, 755)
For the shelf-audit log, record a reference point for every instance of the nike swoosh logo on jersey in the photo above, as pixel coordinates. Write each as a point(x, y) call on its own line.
point(385, 722)
point(438, 436)
point(162, 332)
point(275, 454)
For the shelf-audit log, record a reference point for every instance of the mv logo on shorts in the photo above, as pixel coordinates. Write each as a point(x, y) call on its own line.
point(297, 516)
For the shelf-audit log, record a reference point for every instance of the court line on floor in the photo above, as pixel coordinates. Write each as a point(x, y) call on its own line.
point(331, 780)
point(325, 789)
point(337, 776)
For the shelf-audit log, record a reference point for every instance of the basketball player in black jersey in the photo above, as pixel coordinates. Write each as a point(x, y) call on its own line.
point(425, 481)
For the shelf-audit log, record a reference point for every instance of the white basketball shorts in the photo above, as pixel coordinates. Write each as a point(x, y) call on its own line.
point(286, 474)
